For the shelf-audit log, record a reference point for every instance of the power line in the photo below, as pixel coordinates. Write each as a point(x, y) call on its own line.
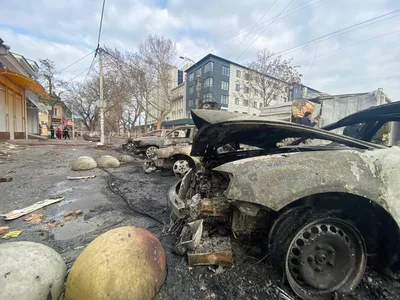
point(76, 62)
point(255, 25)
point(91, 65)
point(350, 45)
point(264, 29)
point(358, 79)
point(312, 65)
point(80, 73)
point(238, 35)
point(341, 30)
point(101, 23)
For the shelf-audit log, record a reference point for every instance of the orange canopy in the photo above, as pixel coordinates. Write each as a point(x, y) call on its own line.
point(25, 82)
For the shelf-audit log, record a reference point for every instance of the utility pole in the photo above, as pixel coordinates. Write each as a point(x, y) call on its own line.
point(101, 103)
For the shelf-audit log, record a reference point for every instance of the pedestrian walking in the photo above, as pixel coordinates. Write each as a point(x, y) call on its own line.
point(52, 132)
point(59, 133)
point(66, 133)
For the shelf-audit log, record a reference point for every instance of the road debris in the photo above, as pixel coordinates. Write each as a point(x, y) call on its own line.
point(278, 293)
point(68, 214)
point(3, 228)
point(50, 225)
point(81, 177)
point(78, 212)
point(15, 214)
point(212, 251)
point(12, 234)
point(34, 218)
point(6, 179)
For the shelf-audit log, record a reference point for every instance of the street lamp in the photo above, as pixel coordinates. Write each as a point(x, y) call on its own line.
point(198, 87)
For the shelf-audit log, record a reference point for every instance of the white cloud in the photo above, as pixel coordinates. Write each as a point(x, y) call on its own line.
point(67, 30)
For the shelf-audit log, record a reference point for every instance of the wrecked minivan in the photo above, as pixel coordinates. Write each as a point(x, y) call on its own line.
point(324, 207)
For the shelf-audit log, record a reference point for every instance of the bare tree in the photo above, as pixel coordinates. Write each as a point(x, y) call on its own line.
point(48, 77)
point(269, 77)
point(149, 75)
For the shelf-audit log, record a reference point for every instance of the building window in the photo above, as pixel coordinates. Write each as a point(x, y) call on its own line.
point(246, 76)
point(209, 67)
point(284, 99)
point(246, 102)
point(198, 72)
point(238, 73)
point(191, 103)
point(191, 89)
point(225, 70)
point(260, 105)
point(236, 111)
point(208, 82)
point(225, 85)
point(237, 87)
point(273, 97)
point(55, 112)
point(224, 99)
point(208, 96)
point(191, 76)
point(236, 101)
point(246, 89)
point(243, 112)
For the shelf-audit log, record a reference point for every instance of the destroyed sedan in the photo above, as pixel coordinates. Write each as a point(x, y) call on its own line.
point(323, 204)
point(179, 136)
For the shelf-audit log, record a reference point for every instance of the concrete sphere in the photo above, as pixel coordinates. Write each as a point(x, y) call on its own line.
point(84, 163)
point(108, 161)
point(123, 263)
point(30, 271)
point(126, 159)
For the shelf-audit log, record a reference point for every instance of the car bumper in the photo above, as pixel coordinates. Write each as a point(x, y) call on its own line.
point(177, 205)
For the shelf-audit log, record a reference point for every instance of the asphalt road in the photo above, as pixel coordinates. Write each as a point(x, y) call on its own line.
point(40, 172)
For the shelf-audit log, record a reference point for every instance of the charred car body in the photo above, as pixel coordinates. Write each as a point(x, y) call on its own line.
point(147, 144)
point(129, 145)
point(323, 207)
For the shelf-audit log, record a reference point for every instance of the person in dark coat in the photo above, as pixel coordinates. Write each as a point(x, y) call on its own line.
point(66, 133)
point(306, 120)
point(52, 132)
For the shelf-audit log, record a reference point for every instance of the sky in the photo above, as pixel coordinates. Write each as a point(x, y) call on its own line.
point(360, 59)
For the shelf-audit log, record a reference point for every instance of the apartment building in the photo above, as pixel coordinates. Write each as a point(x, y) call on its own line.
point(229, 84)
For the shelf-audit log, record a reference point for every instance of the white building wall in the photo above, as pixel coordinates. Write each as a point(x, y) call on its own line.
point(237, 99)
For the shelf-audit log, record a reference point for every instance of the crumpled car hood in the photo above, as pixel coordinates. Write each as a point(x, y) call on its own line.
point(218, 128)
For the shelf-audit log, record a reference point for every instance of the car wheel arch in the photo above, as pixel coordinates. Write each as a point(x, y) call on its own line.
point(375, 217)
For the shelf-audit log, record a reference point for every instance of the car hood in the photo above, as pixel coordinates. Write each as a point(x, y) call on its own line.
point(147, 138)
point(218, 128)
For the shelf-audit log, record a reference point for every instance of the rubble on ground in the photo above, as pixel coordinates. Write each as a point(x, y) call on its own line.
point(127, 159)
point(30, 271)
point(123, 263)
point(108, 161)
point(84, 163)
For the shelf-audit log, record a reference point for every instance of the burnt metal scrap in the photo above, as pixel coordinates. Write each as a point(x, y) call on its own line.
point(324, 206)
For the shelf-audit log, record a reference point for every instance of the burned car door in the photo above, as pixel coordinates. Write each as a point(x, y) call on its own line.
point(179, 136)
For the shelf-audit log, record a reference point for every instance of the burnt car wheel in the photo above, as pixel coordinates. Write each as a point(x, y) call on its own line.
point(322, 255)
point(149, 151)
point(181, 167)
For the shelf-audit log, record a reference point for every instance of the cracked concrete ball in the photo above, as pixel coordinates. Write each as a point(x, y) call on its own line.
point(84, 163)
point(30, 271)
point(123, 263)
point(108, 161)
point(126, 159)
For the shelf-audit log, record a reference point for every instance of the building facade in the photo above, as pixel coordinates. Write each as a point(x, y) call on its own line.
point(229, 84)
point(18, 90)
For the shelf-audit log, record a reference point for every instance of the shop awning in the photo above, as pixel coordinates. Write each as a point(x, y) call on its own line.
point(24, 82)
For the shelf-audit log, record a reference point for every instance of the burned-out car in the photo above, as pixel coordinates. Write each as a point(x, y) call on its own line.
point(323, 208)
point(179, 136)
point(129, 145)
point(177, 158)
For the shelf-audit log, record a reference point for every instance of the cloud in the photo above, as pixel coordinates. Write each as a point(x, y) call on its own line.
point(67, 30)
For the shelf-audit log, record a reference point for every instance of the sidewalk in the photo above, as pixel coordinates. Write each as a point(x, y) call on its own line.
point(55, 142)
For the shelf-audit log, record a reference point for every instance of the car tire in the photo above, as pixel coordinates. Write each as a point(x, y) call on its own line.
point(181, 167)
point(320, 253)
